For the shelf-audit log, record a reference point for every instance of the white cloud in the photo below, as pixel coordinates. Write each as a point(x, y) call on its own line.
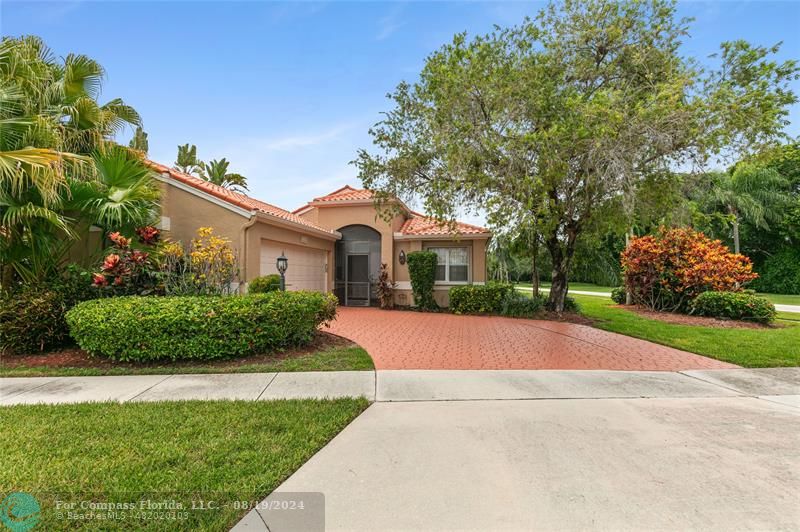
point(388, 25)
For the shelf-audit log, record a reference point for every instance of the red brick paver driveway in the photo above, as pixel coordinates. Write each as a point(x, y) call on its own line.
point(416, 340)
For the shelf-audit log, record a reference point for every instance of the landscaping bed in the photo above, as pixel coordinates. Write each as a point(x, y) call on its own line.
point(231, 452)
point(758, 347)
point(702, 321)
point(326, 352)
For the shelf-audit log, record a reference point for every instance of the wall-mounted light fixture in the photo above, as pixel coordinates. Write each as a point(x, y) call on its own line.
point(402, 257)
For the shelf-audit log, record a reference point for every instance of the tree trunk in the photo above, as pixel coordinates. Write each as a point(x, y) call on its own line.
point(7, 278)
point(535, 267)
point(558, 290)
point(561, 255)
point(735, 235)
point(628, 294)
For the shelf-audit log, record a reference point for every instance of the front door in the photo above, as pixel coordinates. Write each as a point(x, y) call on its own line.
point(357, 285)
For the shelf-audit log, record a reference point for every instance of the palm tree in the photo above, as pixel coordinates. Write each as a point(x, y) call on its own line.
point(50, 121)
point(752, 193)
point(216, 172)
point(123, 195)
point(187, 161)
point(139, 141)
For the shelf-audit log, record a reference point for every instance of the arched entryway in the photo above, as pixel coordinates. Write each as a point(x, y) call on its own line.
point(357, 263)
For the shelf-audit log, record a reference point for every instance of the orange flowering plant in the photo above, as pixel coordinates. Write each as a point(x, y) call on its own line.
point(666, 271)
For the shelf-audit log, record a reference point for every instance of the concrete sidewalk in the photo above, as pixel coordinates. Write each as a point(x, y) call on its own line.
point(409, 385)
point(249, 386)
point(709, 450)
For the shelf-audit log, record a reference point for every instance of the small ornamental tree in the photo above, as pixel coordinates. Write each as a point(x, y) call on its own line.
point(668, 270)
point(422, 270)
point(384, 288)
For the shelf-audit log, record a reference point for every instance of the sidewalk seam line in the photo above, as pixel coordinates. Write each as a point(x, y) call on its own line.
point(29, 390)
point(147, 389)
point(275, 376)
point(741, 393)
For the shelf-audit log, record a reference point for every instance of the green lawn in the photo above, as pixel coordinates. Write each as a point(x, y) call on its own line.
point(585, 287)
point(783, 299)
point(746, 347)
point(223, 451)
point(333, 359)
point(777, 299)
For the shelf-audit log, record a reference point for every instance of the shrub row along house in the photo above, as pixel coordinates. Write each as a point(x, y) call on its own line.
point(336, 243)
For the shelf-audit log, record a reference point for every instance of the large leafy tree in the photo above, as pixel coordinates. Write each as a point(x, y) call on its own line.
point(550, 120)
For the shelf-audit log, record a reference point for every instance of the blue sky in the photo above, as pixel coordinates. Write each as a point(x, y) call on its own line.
point(287, 91)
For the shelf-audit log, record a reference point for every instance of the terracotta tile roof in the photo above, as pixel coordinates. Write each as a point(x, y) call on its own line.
point(421, 225)
point(234, 198)
point(347, 193)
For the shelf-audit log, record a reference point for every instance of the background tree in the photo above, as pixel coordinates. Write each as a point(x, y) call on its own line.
point(751, 193)
point(216, 171)
point(139, 141)
point(187, 161)
point(552, 119)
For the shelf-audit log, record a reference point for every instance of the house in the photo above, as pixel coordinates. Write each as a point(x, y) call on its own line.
point(334, 243)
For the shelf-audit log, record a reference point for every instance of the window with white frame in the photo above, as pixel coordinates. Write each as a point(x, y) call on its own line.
point(452, 265)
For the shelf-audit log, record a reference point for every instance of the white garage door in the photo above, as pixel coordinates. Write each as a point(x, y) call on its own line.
point(306, 269)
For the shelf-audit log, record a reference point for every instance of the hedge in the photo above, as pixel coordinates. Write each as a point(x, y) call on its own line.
point(264, 284)
point(494, 298)
point(139, 328)
point(480, 299)
point(422, 270)
point(619, 295)
point(32, 318)
point(734, 305)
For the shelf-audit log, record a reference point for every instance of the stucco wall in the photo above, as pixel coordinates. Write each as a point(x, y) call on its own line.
point(337, 217)
point(187, 213)
point(441, 291)
point(265, 231)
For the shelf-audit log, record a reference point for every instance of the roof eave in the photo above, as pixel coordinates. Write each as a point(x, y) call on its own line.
point(313, 231)
point(449, 236)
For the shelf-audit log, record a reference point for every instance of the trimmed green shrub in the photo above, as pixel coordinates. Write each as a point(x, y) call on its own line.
point(780, 273)
point(422, 270)
point(32, 318)
point(619, 295)
point(198, 327)
point(480, 299)
point(519, 305)
point(264, 284)
point(570, 305)
point(734, 305)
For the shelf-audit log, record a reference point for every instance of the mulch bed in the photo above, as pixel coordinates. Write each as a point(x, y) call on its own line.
point(78, 358)
point(702, 321)
point(569, 317)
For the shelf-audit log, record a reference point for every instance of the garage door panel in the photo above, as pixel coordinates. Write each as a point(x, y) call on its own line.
point(306, 269)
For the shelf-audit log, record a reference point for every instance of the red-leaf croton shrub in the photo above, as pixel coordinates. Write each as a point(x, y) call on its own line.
point(666, 271)
point(127, 270)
